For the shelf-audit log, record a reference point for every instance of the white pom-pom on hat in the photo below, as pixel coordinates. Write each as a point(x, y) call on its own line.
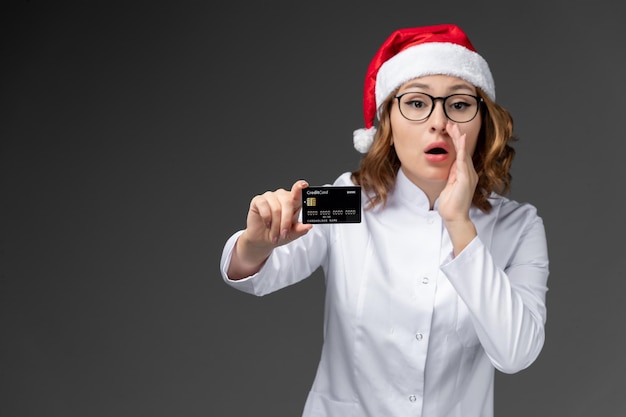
point(415, 52)
point(363, 139)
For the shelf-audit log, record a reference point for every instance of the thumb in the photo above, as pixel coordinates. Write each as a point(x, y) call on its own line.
point(296, 195)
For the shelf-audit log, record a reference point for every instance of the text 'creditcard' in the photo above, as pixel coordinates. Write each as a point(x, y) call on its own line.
point(331, 204)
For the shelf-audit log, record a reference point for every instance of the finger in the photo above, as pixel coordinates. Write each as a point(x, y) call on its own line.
point(296, 190)
point(296, 194)
point(261, 217)
point(261, 208)
point(301, 229)
point(291, 207)
point(464, 166)
point(458, 138)
point(272, 213)
point(452, 174)
point(461, 154)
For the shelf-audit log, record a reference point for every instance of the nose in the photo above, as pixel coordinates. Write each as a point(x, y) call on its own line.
point(438, 119)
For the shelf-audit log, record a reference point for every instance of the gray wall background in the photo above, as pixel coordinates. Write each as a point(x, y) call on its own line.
point(124, 167)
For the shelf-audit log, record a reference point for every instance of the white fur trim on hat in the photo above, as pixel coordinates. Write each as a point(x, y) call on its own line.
point(441, 58)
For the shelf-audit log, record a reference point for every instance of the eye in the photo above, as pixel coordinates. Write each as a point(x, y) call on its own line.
point(418, 104)
point(415, 101)
point(460, 103)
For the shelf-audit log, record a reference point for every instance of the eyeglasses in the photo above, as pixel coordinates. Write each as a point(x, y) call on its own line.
point(460, 108)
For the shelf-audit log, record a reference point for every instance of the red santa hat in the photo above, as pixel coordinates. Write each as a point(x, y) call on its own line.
point(415, 52)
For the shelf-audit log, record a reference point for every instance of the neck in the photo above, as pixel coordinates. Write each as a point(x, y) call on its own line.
point(432, 188)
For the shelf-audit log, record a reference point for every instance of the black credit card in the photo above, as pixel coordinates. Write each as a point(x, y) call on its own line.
point(331, 204)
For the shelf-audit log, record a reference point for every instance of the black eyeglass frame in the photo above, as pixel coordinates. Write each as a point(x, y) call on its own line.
point(479, 102)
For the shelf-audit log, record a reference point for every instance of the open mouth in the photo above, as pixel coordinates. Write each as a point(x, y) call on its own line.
point(436, 151)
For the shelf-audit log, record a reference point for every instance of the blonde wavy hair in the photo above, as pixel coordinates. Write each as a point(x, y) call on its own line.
point(492, 157)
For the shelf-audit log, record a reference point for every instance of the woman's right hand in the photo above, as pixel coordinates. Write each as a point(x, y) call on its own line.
point(272, 221)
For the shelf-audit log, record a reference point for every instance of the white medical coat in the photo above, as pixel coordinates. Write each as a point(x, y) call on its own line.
point(410, 330)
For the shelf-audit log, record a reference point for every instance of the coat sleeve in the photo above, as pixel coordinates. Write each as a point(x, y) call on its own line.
point(287, 265)
point(507, 304)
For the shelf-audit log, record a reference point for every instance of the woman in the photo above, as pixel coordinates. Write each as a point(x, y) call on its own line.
point(444, 279)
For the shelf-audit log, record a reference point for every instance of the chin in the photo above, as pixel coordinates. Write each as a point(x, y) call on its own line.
point(437, 174)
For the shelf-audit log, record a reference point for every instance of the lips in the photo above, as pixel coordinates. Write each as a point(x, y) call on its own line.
point(437, 151)
point(437, 148)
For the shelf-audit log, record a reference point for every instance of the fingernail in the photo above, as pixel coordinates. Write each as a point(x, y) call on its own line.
point(283, 233)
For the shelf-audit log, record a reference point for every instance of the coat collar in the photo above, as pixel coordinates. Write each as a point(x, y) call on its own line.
point(408, 194)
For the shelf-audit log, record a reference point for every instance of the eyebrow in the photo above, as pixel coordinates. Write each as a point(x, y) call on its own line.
point(455, 87)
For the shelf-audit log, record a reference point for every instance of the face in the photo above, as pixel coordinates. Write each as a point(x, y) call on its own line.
point(425, 148)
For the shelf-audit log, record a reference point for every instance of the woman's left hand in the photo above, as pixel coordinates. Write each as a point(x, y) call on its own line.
point(455, 199)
